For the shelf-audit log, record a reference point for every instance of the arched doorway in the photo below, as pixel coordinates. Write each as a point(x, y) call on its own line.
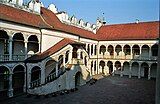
point(145, 52)
point(35, 76)
point(78, 79)
point(32, 46)
point(118, 67)
point(144, 70)
point(4, 43)
point(136, 51)
point(127, 50)
point(102, 49)
point(126, 68)
point(135, 67)
point(18, 79)
point(111, 50)
point(102, 65)
point(4, 82)
point(118, 49)
point(110, 66)
point(18, 47)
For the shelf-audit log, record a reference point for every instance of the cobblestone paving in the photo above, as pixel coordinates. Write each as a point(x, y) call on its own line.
point(109, 90)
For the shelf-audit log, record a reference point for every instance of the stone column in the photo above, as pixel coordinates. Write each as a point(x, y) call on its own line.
point(158, 77)
point(121, 70)
point(10, 49)
point(25, 50)
point(90, 50)
point(130, 70)
point(131, 52)
point(93, 68)
point(39, 48)
point(64, 62)
point(43, 75)
point(56, 69)
point(70, 56)
point(114, 68)
point(10, 89)
point(140, 49)
point(86, 47)
point(149, 72)
point(139, 71)
point(93, 49)
point(150, 52)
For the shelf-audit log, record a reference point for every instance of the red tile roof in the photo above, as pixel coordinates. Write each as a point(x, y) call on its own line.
point(130, 31)
point(64, 42)
point(47, 19)
point(53, 20)
point(20, 16)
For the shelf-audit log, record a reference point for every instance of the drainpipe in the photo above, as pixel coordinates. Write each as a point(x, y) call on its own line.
point(158, 77)
point(40, 40)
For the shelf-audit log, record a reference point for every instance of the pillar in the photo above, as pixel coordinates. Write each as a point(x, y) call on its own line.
point(56, 69)
point(130, 70)
point(10, 89)
point(149, 72)
point(86, 47)
point(131, 52)
point(10, 49)
point(140, 49)
point(25, 50)
point(89, 49)
point(121, 70)
point(64, 62)
point(139, 71)
point(158, 77)
point(43, 76)
point(70, 56)
point(114, 68)
point(114, 52)
point(150, 52)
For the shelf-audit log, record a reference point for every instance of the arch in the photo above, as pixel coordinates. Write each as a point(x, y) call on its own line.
point(153, 71)
point(18, 44)
point(127, 50)
point(50, 67)
point(4, 81)
point(110, 50)
point(118, 65)
point(126, 67)
point(74, 53)
point(78, 79)
point(154, 50)
point(145, 51)
point(4, 44)
point(110, 66)
point(144, 70)
point(67, 56)
point(102, 64)
point(35, 73)
point(18, 79)
point(135, 67)
point(136, 50)
point(33, 44)
point(118, 49)
point(102, 49)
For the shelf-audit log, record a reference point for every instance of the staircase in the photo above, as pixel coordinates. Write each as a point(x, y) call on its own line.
point(65, 80)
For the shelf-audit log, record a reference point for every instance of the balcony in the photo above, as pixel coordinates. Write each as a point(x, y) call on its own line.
point(4, 57)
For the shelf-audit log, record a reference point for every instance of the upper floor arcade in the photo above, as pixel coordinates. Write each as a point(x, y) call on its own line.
point(16, 46)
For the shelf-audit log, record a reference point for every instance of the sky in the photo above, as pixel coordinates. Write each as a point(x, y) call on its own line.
point(115, 11)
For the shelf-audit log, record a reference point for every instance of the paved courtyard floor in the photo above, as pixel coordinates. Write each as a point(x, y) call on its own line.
point(109, 90)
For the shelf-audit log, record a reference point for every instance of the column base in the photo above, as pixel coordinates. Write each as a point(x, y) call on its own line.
point(10, 93)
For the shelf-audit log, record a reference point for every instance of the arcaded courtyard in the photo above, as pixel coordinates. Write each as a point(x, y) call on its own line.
point(108, 90)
